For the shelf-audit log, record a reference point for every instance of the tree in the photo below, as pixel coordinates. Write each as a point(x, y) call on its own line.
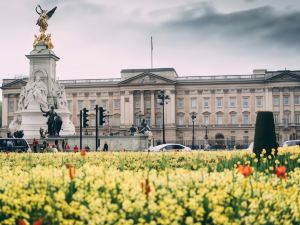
point(265, 136)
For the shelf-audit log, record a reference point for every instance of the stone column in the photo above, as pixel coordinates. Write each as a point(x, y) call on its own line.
point(268, 101)
point(281, 116)
point(173, 108)
point(142, 105)
point(122, 108)
point(152, 108)
point(131, 108)
point(292, 106)
point(239, 106)
point(5, 110)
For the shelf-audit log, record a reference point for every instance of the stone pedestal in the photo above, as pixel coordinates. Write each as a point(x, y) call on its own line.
point(42, 90)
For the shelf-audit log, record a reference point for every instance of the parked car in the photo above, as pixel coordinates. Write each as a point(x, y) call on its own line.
point(291, 143)
point(168, 147)
point(14, 145)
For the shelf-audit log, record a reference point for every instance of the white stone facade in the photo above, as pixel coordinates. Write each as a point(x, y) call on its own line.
point(226, 105)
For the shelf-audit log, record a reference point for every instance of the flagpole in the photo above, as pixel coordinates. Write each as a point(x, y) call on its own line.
point(151, 53)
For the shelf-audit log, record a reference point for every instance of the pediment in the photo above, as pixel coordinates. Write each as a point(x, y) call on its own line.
point(15, 84)
point(146, 79)
point(285, 76)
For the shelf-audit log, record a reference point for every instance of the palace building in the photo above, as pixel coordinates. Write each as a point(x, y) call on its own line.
point(225, 105)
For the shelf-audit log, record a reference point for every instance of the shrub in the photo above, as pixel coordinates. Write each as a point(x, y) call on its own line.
point(265, 137)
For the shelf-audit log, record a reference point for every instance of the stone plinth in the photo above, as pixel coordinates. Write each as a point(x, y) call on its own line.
point(42, 90)
point(115, 143)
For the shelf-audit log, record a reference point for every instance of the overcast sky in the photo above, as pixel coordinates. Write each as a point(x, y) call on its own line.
point(98, 38)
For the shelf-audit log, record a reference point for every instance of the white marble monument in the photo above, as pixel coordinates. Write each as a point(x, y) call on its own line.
point(42, 90)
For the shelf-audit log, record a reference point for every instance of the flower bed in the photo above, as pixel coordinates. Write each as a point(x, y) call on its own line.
point(150, 188)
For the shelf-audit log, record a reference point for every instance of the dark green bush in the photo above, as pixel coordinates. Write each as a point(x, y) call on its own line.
point(265, 136)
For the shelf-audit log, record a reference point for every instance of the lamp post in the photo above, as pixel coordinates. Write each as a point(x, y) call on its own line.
point(162, 100)
point(205, 137)
point(193, 116)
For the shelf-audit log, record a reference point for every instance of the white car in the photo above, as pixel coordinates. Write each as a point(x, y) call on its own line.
point(291, 143)
point(168, 147)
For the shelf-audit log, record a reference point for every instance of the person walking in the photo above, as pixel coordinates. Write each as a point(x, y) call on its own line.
point(75, 148)
point(35, 144)
point(67, 147)
point(105, 147)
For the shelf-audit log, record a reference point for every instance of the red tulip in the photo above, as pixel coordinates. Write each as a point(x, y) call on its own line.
point(83, 152)
point(245, 170)
point(22, 222)
point(281, 172)
point(38, 222)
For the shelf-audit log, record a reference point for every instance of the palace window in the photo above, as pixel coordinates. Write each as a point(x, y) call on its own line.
point(233, 119)
point(137, 104)
point(206, 102)
point(246, 119)
point(276, 100)
point(219, 119)
point(92, 104)
point(246, 102)
point(297, 118)
point(286, 119)
point(116, 103)
point(259, 101)
point(297, 100)
point(11, 106)
point(80, 104)
point(92, 122)
point(206, 119)
point(137, 120)
point(193, 103)
point(148, 120)
point(104, 104)
point(180, 103)
point(148, 104)
point(232, 102)
point(219, 102)
point(245, 140)
point(286, 100)
point(180, 120)
point(158, 121)
point(276, 118)
point(232, 140)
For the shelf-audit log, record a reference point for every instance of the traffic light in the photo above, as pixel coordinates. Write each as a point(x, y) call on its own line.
point(102, 116)
point(85, 117)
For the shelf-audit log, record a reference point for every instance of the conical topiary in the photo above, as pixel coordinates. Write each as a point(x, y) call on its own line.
point(265, 136)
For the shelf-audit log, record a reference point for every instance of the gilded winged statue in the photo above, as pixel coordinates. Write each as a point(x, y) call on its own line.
point(45, 15)
point(42, 22)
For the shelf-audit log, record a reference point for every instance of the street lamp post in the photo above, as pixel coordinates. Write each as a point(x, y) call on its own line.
point(162, 100)
point(205, 137)
point(193, 116)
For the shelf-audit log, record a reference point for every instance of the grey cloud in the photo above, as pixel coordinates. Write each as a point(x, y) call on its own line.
point(262, 24)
